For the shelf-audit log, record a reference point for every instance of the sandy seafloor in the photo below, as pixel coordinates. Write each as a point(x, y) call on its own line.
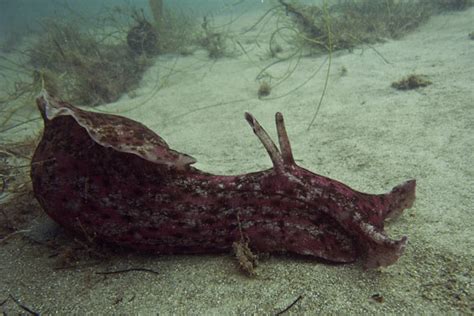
point(367, 135)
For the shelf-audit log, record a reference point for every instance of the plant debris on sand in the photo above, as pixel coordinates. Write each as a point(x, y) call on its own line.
point(353, 22)
point(411, 82)
point(350, 23)
point(18, 206)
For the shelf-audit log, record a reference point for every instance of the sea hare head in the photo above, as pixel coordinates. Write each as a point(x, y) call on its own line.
point(117, 132)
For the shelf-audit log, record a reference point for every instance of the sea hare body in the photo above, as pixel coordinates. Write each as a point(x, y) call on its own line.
point(114, 180)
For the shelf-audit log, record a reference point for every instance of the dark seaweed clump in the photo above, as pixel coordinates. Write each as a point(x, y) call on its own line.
point(88, 69)
point(98, 64)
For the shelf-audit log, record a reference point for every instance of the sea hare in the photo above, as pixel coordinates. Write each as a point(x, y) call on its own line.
point(113, 180)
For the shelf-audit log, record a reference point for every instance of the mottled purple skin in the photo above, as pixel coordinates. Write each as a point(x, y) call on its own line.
point(119, 197)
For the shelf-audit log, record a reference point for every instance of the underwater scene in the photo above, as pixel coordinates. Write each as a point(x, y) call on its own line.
point(236, 157)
